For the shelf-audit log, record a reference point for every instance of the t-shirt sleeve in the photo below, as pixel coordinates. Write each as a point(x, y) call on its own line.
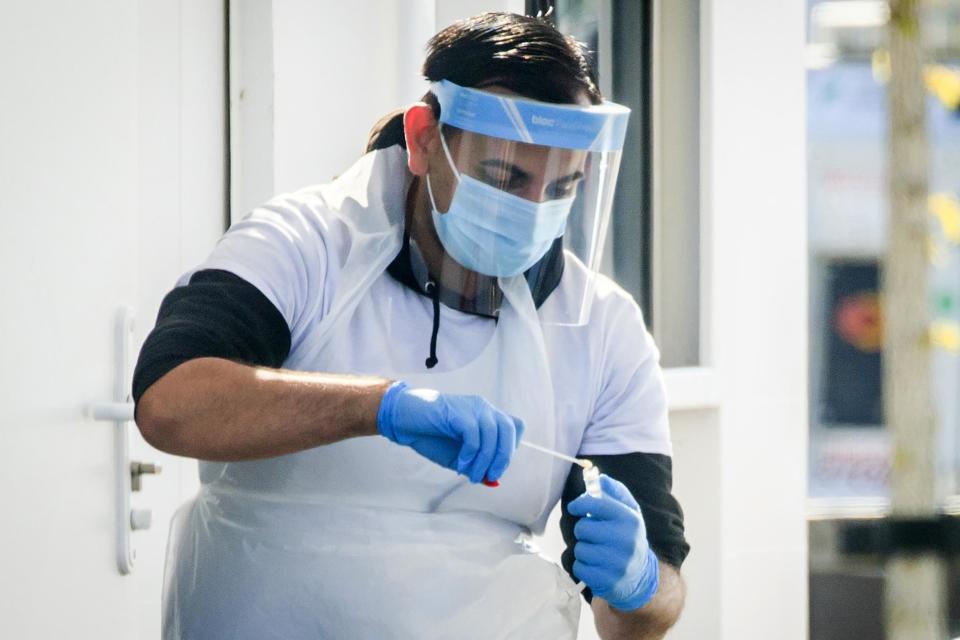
point(630, 413)
point(283, 248)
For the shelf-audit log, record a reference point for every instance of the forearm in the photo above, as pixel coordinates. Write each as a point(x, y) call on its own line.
point(216, 409)
point(651, 621)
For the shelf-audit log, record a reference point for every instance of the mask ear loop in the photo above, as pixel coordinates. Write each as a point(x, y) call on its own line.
point(453, 167)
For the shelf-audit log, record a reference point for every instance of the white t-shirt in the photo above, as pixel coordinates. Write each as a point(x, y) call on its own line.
point(606, 374)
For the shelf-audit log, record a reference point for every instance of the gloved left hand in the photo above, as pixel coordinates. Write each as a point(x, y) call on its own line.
point(612, 555)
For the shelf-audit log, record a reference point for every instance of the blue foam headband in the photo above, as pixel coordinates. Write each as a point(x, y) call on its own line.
point(599, 127)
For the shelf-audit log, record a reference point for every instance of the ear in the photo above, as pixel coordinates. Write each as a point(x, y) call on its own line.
point(421, 134)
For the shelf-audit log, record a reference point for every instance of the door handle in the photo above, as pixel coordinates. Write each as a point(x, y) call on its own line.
point(111, 411)
point(126, 476)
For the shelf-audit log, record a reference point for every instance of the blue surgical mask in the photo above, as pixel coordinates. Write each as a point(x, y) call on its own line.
point(493, 232)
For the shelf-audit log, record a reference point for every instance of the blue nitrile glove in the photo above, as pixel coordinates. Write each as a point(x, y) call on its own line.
point(612, 555)
point(463, 433)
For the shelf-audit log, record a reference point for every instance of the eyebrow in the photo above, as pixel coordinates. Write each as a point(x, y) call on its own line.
point(517, 172)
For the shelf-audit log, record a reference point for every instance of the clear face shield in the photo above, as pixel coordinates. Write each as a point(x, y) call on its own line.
point(519, 184)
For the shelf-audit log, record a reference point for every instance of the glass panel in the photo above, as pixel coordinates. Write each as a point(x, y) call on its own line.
point(626, 257)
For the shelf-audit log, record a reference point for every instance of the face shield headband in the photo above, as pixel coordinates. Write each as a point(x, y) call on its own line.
point(601, 127)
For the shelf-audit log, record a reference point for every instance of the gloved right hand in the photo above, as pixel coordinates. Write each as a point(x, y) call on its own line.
point(463, 433)
point(612, 555)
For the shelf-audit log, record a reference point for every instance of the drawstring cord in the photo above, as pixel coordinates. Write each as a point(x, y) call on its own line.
point(434, 292)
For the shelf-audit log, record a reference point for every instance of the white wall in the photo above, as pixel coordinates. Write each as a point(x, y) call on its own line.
point(754, 204)
point(352, 72)
point(337, 67)
point(57, 118)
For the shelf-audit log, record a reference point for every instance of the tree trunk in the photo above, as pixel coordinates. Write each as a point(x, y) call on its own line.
point(914, 593)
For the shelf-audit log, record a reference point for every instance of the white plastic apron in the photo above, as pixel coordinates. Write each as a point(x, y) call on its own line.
point(365, 538)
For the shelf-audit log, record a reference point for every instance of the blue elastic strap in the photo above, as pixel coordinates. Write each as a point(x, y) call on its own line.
point(600, 127)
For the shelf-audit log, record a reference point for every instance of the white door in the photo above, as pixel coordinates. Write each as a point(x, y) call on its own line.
point(112, 183)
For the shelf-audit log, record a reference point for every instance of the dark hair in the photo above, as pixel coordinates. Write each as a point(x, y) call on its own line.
point(524, 54)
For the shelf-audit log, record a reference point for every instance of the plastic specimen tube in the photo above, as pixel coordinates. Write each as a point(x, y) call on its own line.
point(591, 480)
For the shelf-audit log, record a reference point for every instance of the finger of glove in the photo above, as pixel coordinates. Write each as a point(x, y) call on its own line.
point(618, 491)
point(602, 508)
point(465, 428)
point(597, 554)
point(487, 425)
point(506, 445)
point(599, 579)
point(619, 537)
point(590, 530)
